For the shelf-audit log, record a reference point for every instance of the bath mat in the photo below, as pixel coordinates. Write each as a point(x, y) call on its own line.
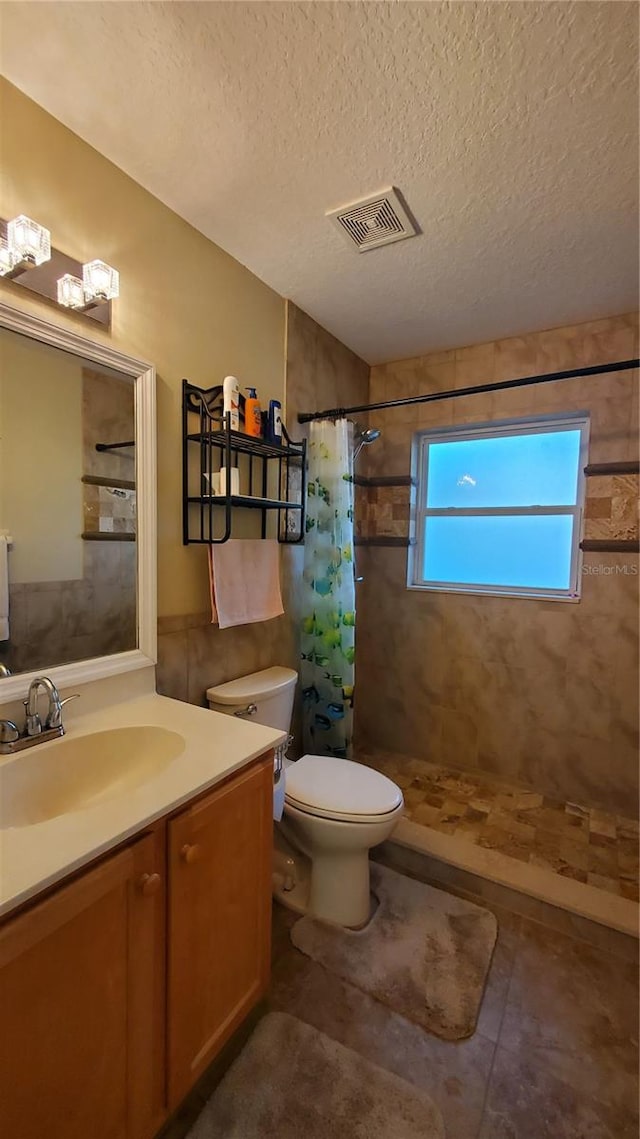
point(291, 1081)
point(425, 953)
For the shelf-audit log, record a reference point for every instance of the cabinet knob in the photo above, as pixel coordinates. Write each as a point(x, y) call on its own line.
point(149, 884)
point(190, 852)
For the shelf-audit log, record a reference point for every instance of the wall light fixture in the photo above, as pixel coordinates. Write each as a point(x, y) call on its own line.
point(70, 291)
point(7, 261)
point(27, 259)
point(99, 283)
point(27, 244)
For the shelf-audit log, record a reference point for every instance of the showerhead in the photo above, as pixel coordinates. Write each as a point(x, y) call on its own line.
point(363, 436)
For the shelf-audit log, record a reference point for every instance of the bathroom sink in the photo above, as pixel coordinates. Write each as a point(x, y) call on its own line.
point(72, 774)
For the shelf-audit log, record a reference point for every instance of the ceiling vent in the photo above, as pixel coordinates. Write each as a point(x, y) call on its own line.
point(378, 220)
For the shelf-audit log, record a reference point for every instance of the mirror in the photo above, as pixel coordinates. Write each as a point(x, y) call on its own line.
point(74, 540)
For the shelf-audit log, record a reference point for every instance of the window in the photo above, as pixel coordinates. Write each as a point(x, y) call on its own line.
point(499, 508)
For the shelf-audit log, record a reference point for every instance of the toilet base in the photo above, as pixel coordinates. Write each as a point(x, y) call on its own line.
point(291, 877)
point(339, 890)
point(312, 888)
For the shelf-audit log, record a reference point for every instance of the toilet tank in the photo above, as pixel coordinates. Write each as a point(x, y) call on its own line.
point(270, 692)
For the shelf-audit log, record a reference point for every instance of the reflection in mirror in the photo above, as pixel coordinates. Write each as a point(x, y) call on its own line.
point(67, 507)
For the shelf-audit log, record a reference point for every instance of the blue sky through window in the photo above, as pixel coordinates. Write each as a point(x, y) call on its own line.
point(526, 551)
point(537, 469)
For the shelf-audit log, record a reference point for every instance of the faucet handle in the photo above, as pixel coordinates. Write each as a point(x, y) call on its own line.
point(8, 732)
point(54, 719)
point(32, 723)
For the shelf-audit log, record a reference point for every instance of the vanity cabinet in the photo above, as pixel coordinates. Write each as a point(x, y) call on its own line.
point(118, 989)
point(80, 1006)
point(219, 854)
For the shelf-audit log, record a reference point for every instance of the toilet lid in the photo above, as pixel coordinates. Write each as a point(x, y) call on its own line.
point(340, 788)
point(256, 686)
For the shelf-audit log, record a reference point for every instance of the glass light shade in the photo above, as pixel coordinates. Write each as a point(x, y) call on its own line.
point(7, 260)
point(28, 241)
point(101, 282)
point(70, 291)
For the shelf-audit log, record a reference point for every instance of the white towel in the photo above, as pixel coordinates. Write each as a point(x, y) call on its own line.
point(4, 589)
point(278, 799)
point(244, 575)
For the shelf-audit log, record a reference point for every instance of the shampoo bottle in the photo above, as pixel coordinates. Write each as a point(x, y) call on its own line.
point(274, 429)
point(231, 401)
point(252, 414)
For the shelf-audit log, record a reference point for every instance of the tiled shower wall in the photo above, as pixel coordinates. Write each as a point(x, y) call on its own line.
point(542, 692)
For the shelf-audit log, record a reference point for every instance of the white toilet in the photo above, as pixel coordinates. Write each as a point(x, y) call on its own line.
point(334, 810)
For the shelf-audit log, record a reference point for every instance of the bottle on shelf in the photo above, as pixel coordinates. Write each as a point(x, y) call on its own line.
point(252, 414)
point(274, 421)
point(231, 401)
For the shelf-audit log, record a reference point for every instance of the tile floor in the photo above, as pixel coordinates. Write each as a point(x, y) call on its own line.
point(574, 841)
point(555, 1053)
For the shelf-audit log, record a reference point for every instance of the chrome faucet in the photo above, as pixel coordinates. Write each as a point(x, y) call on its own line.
point(33, 725)
point(35, 731)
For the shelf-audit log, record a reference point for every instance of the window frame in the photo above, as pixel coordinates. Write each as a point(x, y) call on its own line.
point(530, 425)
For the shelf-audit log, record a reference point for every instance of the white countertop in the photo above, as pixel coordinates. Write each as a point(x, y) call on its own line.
point(34, 857)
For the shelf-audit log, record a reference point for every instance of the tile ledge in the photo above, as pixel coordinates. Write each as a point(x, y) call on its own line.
point(577, 897)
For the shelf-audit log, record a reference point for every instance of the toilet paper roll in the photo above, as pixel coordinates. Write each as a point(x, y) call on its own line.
point(212, 482)
point(234, 482)
point(278, 798)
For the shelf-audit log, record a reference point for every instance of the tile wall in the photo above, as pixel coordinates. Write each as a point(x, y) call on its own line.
point(611, 509)
point(382, 511)
point(543, 693)
point(195, 655)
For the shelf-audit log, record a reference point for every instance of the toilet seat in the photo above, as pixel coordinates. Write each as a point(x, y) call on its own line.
point(341, 790)
point(338, 816)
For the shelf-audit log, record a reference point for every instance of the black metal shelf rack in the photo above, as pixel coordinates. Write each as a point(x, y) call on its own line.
point(273, 474)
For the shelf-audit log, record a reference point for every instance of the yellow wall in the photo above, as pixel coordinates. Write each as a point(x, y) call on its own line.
point(185, 305)
point(40, 459)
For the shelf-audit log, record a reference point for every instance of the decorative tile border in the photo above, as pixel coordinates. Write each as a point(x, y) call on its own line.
point(383, 510)
point(612, 512)
point(612, 507)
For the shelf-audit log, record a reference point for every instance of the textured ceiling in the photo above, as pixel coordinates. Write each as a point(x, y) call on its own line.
point(510, 128)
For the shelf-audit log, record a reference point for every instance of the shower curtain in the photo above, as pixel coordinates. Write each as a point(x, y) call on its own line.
point(328, 626)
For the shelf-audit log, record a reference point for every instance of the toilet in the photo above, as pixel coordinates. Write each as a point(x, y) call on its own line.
point(335, 810)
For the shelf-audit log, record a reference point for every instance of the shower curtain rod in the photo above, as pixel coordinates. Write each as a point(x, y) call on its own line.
point(455, 393)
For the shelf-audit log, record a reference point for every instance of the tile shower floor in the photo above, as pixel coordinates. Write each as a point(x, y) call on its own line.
point(575, 842)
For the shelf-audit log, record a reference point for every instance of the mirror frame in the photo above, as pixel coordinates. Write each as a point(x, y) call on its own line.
point(144, 376)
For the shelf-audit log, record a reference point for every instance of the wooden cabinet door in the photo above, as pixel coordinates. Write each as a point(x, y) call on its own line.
point(80, 1006)
point(219, 919)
